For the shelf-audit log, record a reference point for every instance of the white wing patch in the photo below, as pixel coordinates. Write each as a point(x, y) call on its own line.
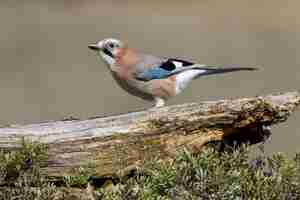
point(177, 64)
point(183, 78)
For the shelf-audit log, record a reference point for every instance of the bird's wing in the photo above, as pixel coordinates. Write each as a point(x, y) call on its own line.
point(156, 68)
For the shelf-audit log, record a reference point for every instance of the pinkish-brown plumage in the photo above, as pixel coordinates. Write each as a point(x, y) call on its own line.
point(163, 88)
point(126, 62)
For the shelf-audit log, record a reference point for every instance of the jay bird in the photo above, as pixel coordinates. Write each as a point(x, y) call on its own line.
point(149, 77)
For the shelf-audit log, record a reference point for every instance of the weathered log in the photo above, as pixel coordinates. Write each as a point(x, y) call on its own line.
point(119, 143)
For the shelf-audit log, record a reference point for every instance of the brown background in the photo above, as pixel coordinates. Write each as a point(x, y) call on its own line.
point(47, 72)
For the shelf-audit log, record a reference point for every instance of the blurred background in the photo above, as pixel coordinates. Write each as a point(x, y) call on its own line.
point(48, 73)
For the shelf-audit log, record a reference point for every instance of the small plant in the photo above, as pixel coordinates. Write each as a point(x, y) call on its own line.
point(20, 174)
point(28, 158)
point(214, 175)
point(80, 176)
point(233, 175)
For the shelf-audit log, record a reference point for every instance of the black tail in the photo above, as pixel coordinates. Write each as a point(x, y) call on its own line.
point(214, 70)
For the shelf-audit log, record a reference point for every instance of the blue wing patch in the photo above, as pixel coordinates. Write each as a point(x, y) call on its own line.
point(164, 70)
point(154, 73)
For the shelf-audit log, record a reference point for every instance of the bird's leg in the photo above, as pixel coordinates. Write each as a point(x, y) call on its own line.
point(159, 102)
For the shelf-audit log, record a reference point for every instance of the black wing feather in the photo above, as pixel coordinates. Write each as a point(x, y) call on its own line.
point(169, 65)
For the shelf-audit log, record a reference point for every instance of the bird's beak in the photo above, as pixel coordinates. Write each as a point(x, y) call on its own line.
point(94, 47)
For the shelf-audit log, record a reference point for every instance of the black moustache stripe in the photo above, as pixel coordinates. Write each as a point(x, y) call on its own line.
point(107, 52)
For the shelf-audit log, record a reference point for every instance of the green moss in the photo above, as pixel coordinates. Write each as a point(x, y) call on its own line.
point(152, 142)
point(119, 136)
point(157, 123)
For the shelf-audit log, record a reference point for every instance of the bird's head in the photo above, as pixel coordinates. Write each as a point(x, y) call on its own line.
point(108, 49)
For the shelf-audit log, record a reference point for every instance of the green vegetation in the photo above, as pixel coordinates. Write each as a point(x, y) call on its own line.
point(20, 174)
point(238, 174)
point(214, 175)
point(80, 176)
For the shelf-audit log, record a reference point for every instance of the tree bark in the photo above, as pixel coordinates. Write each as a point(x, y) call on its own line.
point(120, 143)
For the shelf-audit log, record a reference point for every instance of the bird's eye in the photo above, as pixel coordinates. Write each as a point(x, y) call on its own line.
point(111, 45)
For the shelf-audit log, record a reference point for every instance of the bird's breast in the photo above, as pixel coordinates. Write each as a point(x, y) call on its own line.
point(133, 87)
